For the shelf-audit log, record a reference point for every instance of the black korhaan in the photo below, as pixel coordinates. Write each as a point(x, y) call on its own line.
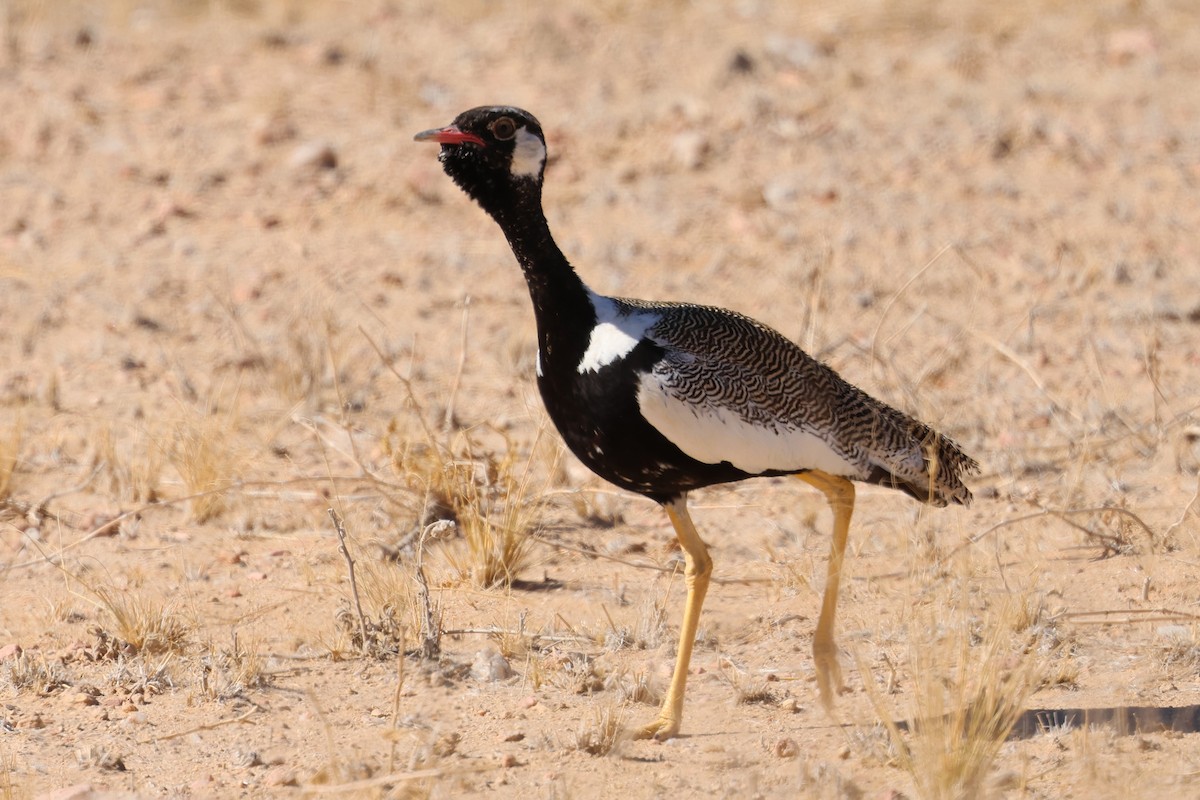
point(664, 398)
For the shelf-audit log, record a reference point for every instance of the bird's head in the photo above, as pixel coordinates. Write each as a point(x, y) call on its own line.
point(494, 153)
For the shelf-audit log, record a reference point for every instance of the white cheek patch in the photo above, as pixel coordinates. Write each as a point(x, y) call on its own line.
point(529, 155)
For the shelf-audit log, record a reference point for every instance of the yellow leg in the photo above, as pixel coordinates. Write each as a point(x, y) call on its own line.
point(840, 494)
point(697, 569)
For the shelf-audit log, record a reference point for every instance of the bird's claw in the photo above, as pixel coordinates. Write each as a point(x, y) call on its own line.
point(660, 730)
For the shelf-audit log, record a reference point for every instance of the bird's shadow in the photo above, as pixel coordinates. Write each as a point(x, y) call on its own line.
point(1123, 720)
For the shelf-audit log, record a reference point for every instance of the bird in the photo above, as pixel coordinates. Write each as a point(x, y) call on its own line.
point(664, 398)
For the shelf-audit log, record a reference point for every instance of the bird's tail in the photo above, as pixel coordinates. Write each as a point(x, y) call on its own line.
point(929, 466)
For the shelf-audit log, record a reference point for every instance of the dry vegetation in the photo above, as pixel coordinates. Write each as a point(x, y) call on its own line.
point(235, 297)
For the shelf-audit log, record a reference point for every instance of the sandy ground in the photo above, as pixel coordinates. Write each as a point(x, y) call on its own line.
point(227, 271)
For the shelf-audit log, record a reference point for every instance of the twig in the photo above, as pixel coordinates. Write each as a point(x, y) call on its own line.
point(384, 780)
point(39, 508)
point(405, 382)
point(1129, 616)
point(101, 529)
point(536, 637)
point(396, 698)
point(1062, 514)
point(345, 551)
point(1182, 517)
point(208, 726)
point(896, 296)
point(448, 419)
point(1006, 351)
point(431, 645)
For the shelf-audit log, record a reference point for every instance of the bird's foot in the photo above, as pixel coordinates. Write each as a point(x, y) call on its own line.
point(829, 676)
point(661, 729)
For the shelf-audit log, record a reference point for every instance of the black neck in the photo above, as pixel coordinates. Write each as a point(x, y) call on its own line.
point(561, 306)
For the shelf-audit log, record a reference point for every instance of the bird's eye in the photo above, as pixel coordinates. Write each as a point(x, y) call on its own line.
point(504, 129)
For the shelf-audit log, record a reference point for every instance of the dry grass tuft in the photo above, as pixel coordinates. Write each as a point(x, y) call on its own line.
point(9, 788)
point(305, 368)
point(971, 679)
point(601, 734)
point(1181, 654)
point(206, 461)
point(649, 627)
point(10, 452)
point(637, 688)
point(142, 624)
point(133, 464)
point(491, 498)
point(228, 671)
point(31, 671)
point(747, 689)
point(387, 601)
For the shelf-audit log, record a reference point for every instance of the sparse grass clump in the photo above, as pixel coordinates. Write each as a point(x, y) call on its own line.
point(10, 451)
point(600, 734)
point(9, 788)
point(971, 678)
point(1181, 655)
point(490, 497)
point(31, 671)
point(142, 624)
point(133, 466)
point(637, 688)
point(747, 689)
point(228, 671)
point(205, 459)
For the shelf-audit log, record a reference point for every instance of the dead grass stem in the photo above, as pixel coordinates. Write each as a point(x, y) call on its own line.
point(133, 464)
point(10, 452)
point(9, 788)
point(144, 624)
point(203, 455)
point(971, 678)
point(600, 733)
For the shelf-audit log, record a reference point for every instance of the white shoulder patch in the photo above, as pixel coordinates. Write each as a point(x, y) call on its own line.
point(529, 155)
point(710, 433)
point(615, 335)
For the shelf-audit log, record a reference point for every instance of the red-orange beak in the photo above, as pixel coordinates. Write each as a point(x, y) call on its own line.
point(448, 135)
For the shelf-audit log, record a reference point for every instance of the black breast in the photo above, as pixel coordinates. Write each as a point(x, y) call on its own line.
point(597, 414)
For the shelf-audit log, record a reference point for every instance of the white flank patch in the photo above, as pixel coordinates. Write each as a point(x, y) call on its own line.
point(712, 434)
point(615, 334)
point(537, 363)
point(529, 155)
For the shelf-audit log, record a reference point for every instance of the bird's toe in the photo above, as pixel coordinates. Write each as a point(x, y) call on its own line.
point(829, 677)
point(660, 729)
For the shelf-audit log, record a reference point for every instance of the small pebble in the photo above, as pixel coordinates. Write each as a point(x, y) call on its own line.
point(688, 149)
point(491, 666)
point(314, 155)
